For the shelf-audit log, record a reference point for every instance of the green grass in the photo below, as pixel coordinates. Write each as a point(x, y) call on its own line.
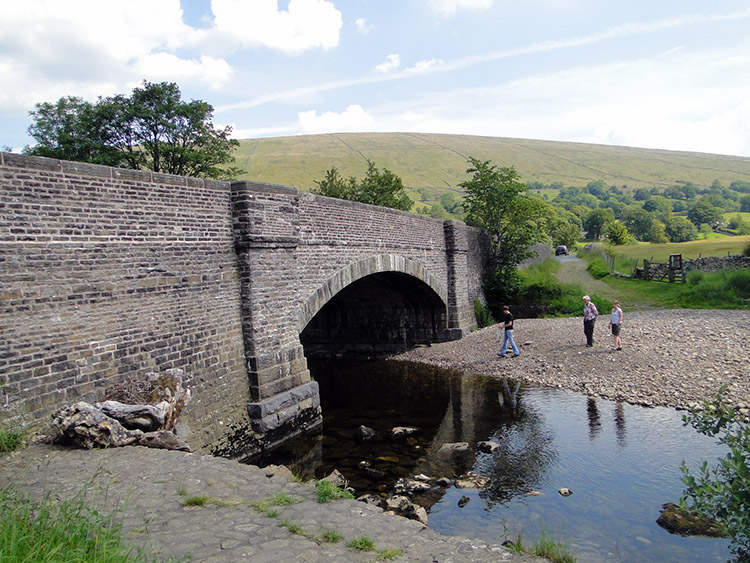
point(292, 527)
point(660, 252)
point(59, 531)
point(331, 536)
point(389, 554)
point(197, 501)
point(328, 491)
point(283, 499)
point(11, 439)
point(362, 543)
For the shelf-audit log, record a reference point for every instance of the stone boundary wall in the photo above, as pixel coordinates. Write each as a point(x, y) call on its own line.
point(108, 273)
point(708, 264)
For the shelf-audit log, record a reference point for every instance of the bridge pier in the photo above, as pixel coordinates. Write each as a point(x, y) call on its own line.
point(286, 402)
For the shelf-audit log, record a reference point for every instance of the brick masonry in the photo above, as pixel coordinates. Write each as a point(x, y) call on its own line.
point(108, 273)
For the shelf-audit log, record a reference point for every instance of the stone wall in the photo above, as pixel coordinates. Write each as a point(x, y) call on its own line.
point(108, 273)
point(708, 264)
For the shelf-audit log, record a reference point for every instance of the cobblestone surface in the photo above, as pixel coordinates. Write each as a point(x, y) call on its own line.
point(148, 489)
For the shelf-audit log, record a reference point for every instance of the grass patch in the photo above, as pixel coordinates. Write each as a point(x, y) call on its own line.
point(53, 531)
point(292, 527)
point(328, 491)
point(197, 501)
point(362, 543)
point(554, 551)
point(283, 499)
point(11, 440)
point(331, 536)
point(389, 554)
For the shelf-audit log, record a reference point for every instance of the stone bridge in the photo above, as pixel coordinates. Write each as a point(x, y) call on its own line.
point(107, 274)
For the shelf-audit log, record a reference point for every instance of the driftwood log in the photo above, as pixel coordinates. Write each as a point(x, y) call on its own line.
point(114, 423)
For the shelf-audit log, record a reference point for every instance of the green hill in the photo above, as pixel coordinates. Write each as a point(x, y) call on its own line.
point(438, 162)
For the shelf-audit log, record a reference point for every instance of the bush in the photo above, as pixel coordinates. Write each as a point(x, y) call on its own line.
point(746, 250)
point(722, 491)
point(482, 315)
point(598, 268)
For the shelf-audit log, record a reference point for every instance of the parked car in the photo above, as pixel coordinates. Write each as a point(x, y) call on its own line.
point(562, 249)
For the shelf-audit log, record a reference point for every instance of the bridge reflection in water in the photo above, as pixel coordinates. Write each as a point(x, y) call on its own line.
point(621, 461)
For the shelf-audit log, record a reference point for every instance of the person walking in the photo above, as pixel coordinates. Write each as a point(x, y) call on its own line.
point(615, 322)
point(589, 320)
point(508, 335)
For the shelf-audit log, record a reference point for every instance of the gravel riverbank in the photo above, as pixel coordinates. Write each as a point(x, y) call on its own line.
point(670, 357)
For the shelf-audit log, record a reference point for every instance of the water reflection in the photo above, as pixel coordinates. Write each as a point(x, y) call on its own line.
point(543, 439)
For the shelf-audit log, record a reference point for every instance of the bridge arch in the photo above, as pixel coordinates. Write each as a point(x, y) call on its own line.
point(380, 304)
point(361, 268)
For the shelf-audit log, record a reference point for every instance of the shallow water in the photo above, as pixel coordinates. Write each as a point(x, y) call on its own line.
point(621, 461)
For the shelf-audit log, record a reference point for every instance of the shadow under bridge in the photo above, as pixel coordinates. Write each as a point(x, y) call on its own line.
point(379, 314)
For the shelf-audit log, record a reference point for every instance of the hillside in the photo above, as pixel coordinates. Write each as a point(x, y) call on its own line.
point(439, 161)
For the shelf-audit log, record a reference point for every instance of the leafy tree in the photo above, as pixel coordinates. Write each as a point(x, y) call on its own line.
point(378, 187)
point(745, 203)
point(679, 229)
point(152, 129)
point(595, 221)
point(703, 212)
point(616, 233)
point(334, 185)
point(658, 204)
point(722, 491)
point(564, 228)
point(658, 234)
point(495, 203)
point(641, 194)
point(639, 222)
point(705, 230)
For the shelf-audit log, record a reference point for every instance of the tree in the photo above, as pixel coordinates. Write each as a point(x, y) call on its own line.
point(679, 229)
point(658, 233)
point(616, 233)
point(153, 129)
point(378, 187)
point(639, 222)
point(495, 203)
point(703, 212)
point(595, 221)
point(745, 203)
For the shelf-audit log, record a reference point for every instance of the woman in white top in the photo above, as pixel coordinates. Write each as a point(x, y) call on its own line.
point(615, 322)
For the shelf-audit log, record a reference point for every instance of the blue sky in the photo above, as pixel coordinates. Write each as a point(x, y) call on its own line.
point(658, 74)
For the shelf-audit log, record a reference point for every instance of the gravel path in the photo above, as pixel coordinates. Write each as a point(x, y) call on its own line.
point(670, 357)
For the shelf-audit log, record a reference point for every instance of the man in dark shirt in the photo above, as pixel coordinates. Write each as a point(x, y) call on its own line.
point(508, 336)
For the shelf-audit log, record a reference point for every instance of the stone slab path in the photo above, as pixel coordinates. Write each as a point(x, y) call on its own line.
point(148, 488)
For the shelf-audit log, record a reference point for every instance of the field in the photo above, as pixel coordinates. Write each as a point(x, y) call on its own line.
point(440, 161)
point(719, 246)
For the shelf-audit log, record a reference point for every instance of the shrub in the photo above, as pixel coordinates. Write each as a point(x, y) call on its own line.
point(694, 277)
point(482, 314)
point(722, 491)
point(598, 268)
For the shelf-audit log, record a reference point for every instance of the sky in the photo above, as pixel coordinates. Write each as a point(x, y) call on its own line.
point(664, 74)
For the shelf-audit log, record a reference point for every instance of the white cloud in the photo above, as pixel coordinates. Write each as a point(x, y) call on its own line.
point(445, 8)
point(354, 118)
point(425, 66)
point(363, 26)
point(392, 62)
point(306, 24)
point(88, 48)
